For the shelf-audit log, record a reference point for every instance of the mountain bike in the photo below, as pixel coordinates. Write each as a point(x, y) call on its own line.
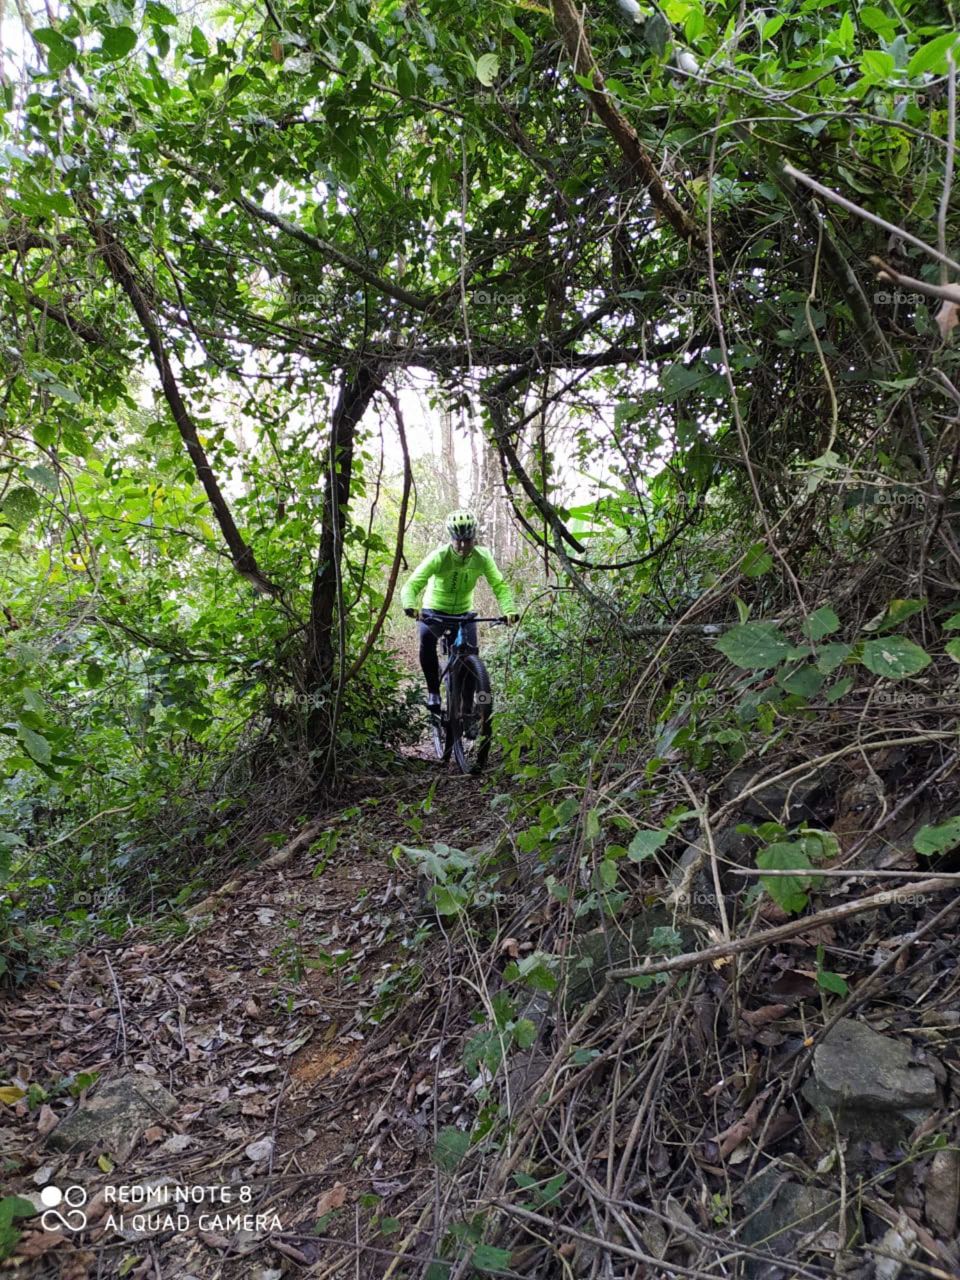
point(464, 725)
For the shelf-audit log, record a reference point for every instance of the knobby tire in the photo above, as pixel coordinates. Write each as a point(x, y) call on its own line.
point(471, 756)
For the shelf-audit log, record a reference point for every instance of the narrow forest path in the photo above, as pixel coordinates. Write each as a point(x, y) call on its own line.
point(269, 1020)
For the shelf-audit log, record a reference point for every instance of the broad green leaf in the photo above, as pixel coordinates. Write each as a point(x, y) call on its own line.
point(754, 645)
point(897, 611)
point(877, 66)
point(952, 623)
point(19, 507)
point(931, 840)
point(772, 26)
point(757, 561)
point(832, 656)
point(117, 42)
point(933, 56)
point(159, 13)
point(452, 1145)
point(593, 825)
point(646, 843)
point(789, 892)
point(487, 68)
point(839, 690)
point(832, 982)
point(60, 51)
point(36, 744)
point(821, 623)
point(805, 683)
point(524, 1033)
point(406, 77)
point(876, 20)
point(486, 1257)
point(953, 649)
point(894, 657)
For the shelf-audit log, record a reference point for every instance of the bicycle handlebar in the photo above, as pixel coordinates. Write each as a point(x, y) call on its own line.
point(460, 617)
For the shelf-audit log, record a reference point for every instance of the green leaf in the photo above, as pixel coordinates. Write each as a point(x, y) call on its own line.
point(156, 12)
point(839, 690)
point(646, 843)
point(452, 1146)
point(805, 682)
point(117, 42)
point(19, 507)
point(772, 26)
point(931, 840)
point(897, 611)
point(198, 43)
point(487, 68)
point(876, 20)
point(952, 623)
point(754, 645)
point(593, 825)
point(406, 78)
point(894, 657)
point(877, 67)
point(953, 649)
point(933, 56)
point(524, 1033)
point(655, 33)
point(36, 744)
point(488, 1258)
point(832, 656)
point(60, 51)
point(757, 561)
point(832, 982)
point(789, 892)
point(821, 623)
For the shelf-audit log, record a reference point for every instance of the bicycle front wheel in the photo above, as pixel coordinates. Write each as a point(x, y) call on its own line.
point(472, 720)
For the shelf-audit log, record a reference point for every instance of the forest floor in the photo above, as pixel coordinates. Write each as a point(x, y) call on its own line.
point(286, 1080)
point(272, 1021)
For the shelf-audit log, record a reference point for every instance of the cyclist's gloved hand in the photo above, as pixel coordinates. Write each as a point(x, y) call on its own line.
point(412, 613)
point(511, 619)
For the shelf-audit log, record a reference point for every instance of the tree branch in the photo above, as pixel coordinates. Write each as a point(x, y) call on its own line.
point(641, 166)
point(121, 267)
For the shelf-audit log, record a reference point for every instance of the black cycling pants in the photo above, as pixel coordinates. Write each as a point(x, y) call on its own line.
point(430, 633)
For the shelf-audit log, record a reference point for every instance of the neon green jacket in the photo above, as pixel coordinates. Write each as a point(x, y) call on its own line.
point(453, 579)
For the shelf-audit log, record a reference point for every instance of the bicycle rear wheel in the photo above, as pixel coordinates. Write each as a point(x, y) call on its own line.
point(471, 721)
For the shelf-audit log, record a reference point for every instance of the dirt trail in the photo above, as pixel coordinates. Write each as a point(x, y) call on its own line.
point(274, 1023)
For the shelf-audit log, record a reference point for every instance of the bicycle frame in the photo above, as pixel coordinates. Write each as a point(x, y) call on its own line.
point(462, 663)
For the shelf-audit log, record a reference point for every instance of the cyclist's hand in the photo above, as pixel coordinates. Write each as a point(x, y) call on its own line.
point(412, 613)
point(510, 619)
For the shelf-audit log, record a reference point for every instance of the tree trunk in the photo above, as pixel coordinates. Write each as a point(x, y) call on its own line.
point(323, 689)
point(449, 485)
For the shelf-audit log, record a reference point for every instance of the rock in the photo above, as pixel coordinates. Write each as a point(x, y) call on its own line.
point(869, 1086)
point(114, 1116)
point(699, 896)
point(778, 1218)
point(620, 943)
point(857, 1068)
point(942, 1192)
point(770, 803)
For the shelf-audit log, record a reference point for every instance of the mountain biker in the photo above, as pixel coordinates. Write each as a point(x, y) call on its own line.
point(452, 571)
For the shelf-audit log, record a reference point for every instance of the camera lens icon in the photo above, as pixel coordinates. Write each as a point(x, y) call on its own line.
point(74, 1219)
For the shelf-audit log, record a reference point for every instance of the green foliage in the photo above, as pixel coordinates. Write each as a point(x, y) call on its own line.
point(931, 840)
